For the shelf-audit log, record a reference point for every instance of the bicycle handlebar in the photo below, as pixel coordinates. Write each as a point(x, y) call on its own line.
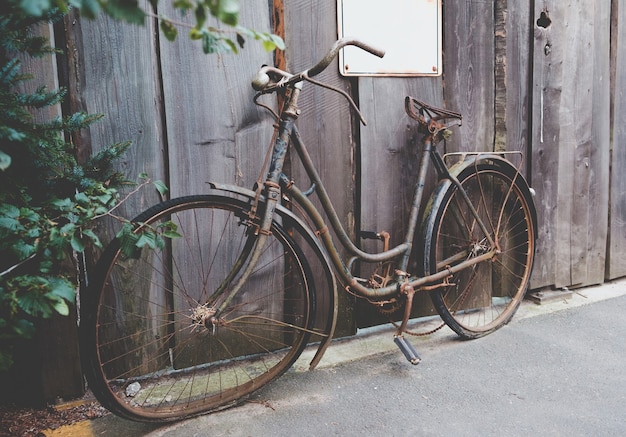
point(263, 82)
point(334, 51)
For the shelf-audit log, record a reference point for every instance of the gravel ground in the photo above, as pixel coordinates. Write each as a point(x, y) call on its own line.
point(31, 422)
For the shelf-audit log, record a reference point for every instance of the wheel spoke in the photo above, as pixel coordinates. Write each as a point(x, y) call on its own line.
point(484, 297)
point(156, 353)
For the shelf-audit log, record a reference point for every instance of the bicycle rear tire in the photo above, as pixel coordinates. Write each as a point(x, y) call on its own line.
point(150, 355)
point(479, 300)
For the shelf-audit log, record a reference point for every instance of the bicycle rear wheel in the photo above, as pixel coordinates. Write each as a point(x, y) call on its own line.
point(482, 298)
point(152, 350)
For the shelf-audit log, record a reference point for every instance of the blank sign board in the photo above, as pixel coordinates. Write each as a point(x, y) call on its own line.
point(408, 30)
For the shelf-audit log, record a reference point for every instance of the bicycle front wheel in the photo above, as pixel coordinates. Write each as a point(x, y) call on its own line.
point(154, 348)
point(480, 299)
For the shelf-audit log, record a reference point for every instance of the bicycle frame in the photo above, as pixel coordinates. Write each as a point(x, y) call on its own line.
point(277, 182)
point(429, 152)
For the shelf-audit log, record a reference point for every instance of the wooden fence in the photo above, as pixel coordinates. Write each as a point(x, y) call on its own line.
point(539, 76)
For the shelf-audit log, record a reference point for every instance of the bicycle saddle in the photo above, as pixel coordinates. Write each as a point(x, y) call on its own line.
point(424, 113)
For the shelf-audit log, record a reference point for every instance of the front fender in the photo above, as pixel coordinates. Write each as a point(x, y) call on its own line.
point(329, 297)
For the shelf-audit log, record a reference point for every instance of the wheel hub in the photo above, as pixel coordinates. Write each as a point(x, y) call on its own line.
point(203, 317)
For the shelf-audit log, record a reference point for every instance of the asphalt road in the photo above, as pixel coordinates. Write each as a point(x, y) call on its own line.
point(552, 371)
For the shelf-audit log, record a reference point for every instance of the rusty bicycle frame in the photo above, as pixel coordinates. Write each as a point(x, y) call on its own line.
point(276, 184)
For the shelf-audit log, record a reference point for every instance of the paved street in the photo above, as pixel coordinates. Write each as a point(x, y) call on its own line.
point(557, 369)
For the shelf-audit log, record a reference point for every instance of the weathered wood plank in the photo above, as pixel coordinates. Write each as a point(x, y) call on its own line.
point(616, 260)
point(584, 147)
point(518, 26)
point(597, 158)
point(575, 123)
point(390, 152)
point(326, 123)
point(469, 72)
point(214, 132)
point(121, 82)
point(547, 86)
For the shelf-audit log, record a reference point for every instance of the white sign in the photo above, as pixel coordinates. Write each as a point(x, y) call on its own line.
point(408, 30)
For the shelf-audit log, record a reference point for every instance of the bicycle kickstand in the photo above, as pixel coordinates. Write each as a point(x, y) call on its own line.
point(405, 346)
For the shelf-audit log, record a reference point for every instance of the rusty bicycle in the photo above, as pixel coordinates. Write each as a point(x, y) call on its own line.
point(243, 280)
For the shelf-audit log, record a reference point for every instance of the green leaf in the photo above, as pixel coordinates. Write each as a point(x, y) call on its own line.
point(161, 187)
point(93, 237)
point(5, 161)
point(169, 30)
point(105, 199)
point(29, 215)
point(200, 14)
point(61, 307)
point(128, 240)
point(35, 7)
point(209, 42)
point(24, 328)
point(68, 229)
point(126, 10)
point(23, 250)
point(88, 8)
point(81, 198)
point(278, 41)
point(62, 288)
point(232, 46)
point(269, 46)
point(195, 34)
point(147, 238)
point(171, 234)
point(8, 223)
point(35, 303)
point(183, 5)
point(77, 244)
point(228, 12)
point(10, 210)
point(63, 204)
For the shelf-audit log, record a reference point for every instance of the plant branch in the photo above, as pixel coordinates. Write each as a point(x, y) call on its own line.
point(19, 264)
point(109, 213)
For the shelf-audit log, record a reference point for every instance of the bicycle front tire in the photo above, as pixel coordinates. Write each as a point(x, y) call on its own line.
point(152, 353)
point(482, 298)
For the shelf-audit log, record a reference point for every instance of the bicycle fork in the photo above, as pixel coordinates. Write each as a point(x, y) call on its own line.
point(272, 193)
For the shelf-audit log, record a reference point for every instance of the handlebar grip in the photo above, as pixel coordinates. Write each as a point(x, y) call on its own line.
point(332, 53)
point(261, 80)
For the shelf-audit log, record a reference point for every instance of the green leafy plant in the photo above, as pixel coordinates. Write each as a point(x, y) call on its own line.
point(48, 200)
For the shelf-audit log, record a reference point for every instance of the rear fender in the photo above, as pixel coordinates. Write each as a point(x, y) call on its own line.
point(459, 170)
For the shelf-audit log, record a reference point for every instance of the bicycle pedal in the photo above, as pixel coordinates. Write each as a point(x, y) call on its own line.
point(407, 349)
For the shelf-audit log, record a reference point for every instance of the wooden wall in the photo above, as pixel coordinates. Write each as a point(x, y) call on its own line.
point(571, 140)
point(538, 76)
